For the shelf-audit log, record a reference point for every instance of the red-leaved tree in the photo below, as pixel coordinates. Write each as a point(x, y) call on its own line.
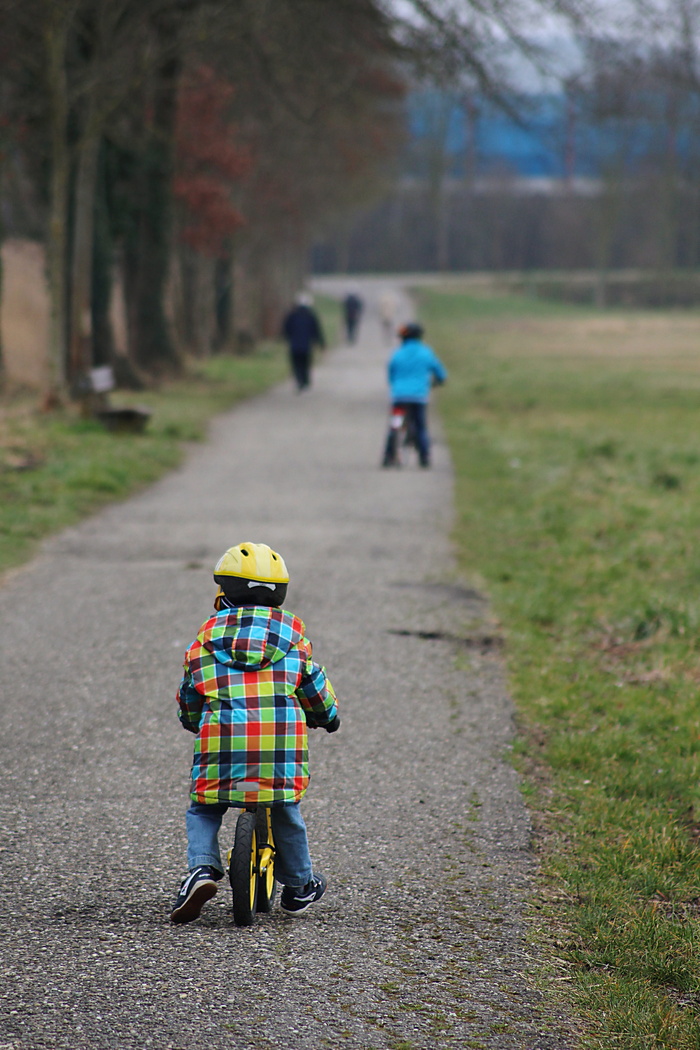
point(208, 163)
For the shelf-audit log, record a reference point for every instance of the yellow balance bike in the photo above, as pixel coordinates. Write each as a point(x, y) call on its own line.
point(251, 865)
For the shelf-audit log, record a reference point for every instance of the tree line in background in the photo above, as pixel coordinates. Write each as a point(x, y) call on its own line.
point(626, 149)
point(189, 152)
point(164, 143)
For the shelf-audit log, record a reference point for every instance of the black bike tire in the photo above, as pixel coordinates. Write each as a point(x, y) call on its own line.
point(242, 867)
point(397, 450)
point(267, 887)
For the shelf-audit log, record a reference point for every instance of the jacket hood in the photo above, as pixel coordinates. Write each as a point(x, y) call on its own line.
point(250, 637)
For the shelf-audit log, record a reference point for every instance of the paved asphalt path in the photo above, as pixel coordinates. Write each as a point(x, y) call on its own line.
point(414, 813)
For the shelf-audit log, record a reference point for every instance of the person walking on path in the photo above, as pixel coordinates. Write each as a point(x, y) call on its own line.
point(352, 312)
point(302, 330)
point(413, 369)
point(387, 307)
point(249, 690)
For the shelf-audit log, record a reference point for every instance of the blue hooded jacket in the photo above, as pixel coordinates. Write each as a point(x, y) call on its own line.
point(412, 368)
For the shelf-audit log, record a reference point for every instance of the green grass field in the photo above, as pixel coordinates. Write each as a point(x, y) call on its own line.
point(576, 443)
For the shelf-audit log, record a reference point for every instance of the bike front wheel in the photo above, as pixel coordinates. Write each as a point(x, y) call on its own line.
point(243, 869)
point(266, 861)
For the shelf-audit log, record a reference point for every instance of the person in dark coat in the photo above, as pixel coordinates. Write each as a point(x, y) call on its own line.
point(352, 311)
point(302, 330)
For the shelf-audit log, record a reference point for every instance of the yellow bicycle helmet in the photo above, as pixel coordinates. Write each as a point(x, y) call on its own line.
point(250, 574)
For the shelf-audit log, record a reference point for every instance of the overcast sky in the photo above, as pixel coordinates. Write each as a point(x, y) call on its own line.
point(649, 22)
point(619, 16)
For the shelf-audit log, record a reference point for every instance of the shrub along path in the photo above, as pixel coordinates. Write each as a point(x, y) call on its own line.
point(414, 812)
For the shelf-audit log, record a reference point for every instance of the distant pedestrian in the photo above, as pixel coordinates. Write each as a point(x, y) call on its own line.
point(352, 312)
point(302, 330)
point(388, 307)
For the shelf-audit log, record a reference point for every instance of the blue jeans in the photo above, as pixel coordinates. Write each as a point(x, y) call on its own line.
point(292, 860)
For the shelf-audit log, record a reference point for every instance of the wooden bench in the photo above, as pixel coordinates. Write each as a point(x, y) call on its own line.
point(116, 420)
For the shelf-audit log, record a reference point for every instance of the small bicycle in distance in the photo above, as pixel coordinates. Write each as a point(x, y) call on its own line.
point(402, 435)
point(251, 865)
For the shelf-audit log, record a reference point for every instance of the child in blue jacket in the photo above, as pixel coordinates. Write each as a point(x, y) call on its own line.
point(413, 369)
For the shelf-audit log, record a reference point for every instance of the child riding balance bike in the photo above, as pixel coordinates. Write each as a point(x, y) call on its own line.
point(250, 687)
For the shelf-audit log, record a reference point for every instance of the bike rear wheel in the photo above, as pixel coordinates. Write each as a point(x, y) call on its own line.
point(395, 438)
point(243, 869)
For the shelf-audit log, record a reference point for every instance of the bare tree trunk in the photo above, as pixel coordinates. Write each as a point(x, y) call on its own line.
point(80, 327)
point(608, 213)
point(57, 254)
point(223, 302)
point(2, 238)
point(442, 228)
point(103, 338)
point(2, 358)
point(186, 295)
point(147, 252)
point(693, 247)
point(437, 178)
point(668, 207)
point(148, 247)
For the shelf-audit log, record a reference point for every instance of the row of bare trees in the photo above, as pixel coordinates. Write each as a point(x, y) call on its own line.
point(111, 134)
point(191, 150)
point(625, 146)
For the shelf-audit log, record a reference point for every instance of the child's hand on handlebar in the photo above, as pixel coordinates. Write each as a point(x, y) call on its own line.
point(331, 727)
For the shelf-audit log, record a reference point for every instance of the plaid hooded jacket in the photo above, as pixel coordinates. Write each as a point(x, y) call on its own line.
point(249, 682)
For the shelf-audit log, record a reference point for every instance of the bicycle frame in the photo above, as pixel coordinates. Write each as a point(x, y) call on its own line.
point(398, 418)
point(402, 434)
point(266, 855)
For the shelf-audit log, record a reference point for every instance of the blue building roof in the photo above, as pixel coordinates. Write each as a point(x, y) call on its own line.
point(538, 136)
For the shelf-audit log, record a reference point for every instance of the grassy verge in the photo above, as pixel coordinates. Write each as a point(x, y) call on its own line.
point(575, 441)
point(55, 469)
